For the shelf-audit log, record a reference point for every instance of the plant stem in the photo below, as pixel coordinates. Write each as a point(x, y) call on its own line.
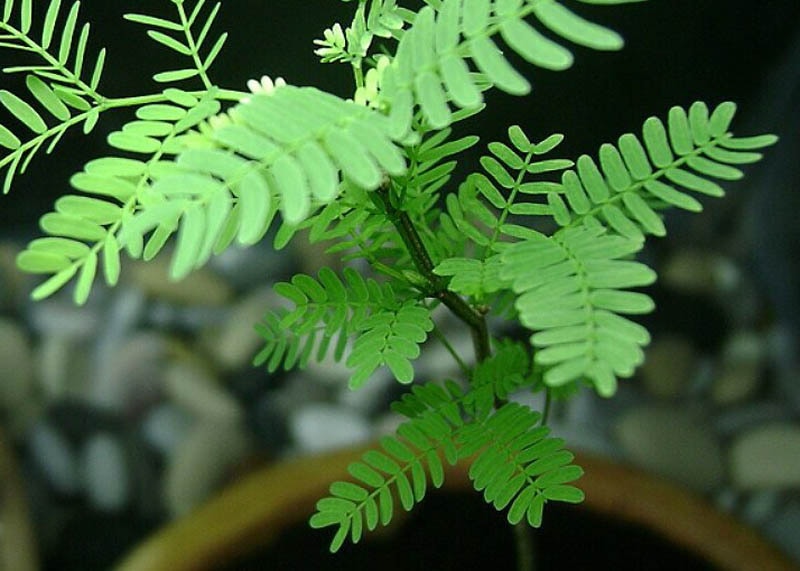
point(450, 349)
point(524, 543)
point(474, 319)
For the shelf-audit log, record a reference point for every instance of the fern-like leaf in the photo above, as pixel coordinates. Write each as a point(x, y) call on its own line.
point(57, 83)
point(519, 465)
point(641, 175)
point(431, 68)
point(325, 309)
point(257, 160)
point(390, 337)
point(403, 466)
point(484, 207)
point(179, 36)
point(572, 288)
point(514, 463)
point(86, 233)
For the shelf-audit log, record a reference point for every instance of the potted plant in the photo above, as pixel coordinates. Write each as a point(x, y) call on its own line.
point(529, 241)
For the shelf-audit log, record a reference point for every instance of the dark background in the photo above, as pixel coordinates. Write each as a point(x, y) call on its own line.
point(677, 51)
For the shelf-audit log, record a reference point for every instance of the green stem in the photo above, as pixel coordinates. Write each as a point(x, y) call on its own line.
point(473, 318)
point(548, 404)
point(465, 370)
point(524, 544)
point(193, 46)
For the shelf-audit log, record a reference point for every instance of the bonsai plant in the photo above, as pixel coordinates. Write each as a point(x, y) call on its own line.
point(528, 241)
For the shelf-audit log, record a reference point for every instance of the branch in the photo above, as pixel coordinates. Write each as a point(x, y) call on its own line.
point(437, 285)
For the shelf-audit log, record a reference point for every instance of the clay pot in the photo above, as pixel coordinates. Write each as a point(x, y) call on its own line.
point(250, 514)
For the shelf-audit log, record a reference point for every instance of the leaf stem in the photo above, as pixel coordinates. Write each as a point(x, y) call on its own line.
point(465, 370)
point(473, 318)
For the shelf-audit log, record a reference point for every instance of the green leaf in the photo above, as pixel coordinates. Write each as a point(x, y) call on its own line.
point(170, 42)
point(175, 75)
point(8, 139)
point(54, 284)
point(49, 100)
point(85, 279)
point(41, 262)
point(22, 111)
point(153, 22)
point(576, 29)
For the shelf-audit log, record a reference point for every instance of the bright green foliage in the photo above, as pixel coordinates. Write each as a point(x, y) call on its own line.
point(88, 229)
point(571, 289)
point(431, 68)
point(63, 83)
point(542, 242)
point(482, 210)
point(639, 175)
point(186, 43)
point(330, 309)
point(515, 463)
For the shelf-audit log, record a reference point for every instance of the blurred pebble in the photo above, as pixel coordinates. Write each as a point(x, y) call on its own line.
point(16, 365)
point(62, 367)
point(55, 458)
point(669, 366)
point(373, 397)
point(698, 272)
point(194, 388)
point(250, 267)
point(165, 427)
point(268, 423)
point(740, 372)
point(782, 528)
point(760, 506)
point(235, 342)
point(11, 279)
point(766, 457)
point(60, 316)
point(163, 315)
point(673, 443)
point(131, 377)
point(317, 427)
point(105, 473)
point(731, 421)
point(201, 463)
point(201, 287)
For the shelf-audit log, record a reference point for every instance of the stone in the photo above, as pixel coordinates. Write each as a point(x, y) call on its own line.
point(248, 267)
point(130, 376)
point(196, 390)
point(673, 443)
point(268, 424)
point(235, 342)
point(62, 367)
point(11, 279)
point(201, 464)
point(165, 427)
point(373, 397)
point(733, 420)
point(766, 457)
point(317, 427)
point(669, 366)
point(201, 287)
point(105, 472)
point(16, 365)
point(55, 458)
point(60, 316)
point(699, 272)
point(740, 372)
point(760, 506)
point(782, 528)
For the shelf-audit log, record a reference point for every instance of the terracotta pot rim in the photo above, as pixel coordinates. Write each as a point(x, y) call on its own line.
point(244, 517)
